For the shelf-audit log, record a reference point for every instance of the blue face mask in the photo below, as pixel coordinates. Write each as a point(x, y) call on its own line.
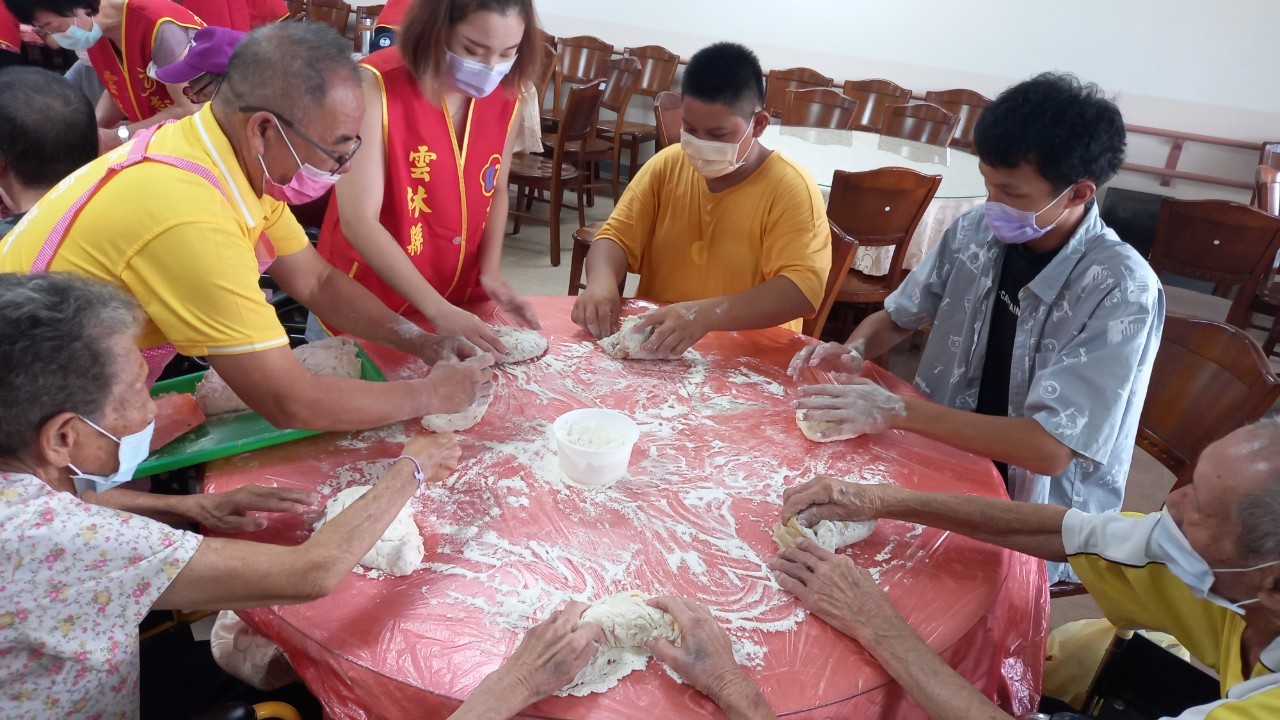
point(133, 450)
point(76, 39)
point(1012, 226)
point(1169, 545)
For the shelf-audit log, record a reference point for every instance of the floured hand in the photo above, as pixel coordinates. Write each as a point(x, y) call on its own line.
point(675, 329)
point(849, 410)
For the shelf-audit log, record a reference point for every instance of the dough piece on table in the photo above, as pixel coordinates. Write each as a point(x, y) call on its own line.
point(626, 343)
point(627, 622)
point(522, 343)
point(332, 356)
point(456, 422)
point(814, 430)
point(399, 551)
point(830, 534)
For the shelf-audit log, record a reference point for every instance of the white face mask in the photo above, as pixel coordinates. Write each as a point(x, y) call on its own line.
point(134, 448)
point(714, 159)
point(1168, 545)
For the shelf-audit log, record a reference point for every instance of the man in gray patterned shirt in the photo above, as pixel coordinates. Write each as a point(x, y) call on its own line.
point(1045, 323)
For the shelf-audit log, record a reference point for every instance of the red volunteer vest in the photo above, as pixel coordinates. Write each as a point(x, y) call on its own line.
point(10, 34)
point(241, 15)
point(137, 94)
point(393, 14)
point(437, 195)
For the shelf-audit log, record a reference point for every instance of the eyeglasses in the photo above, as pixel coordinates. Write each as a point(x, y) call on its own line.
point(340, 160)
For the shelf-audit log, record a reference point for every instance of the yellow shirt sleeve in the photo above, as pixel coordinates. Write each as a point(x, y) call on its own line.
point(283, 228)
point(198, 282)
point(632, 222)
point(1261, 705)
point(797, 240)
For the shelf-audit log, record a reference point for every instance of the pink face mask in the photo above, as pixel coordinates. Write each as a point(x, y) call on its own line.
point(307, 184)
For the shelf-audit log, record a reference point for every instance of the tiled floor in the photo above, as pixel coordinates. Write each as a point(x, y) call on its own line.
point(526, 263)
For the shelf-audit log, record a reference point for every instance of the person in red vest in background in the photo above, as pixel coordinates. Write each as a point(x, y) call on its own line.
point(242, 15)
point(420, 220)
point(126, 41)
point(388, 24)
point(10, 39)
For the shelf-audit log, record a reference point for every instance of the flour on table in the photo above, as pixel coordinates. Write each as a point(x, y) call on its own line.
point(628, 341)
point(590, 436)
point(830, 534)
point(627, 622)
point(822, 430)
point(399, 551)
point(521, 343)
point(459, 421)
point(332, 356)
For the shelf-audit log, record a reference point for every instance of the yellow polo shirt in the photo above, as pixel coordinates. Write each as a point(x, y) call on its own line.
point(1109, 553)
point(688, 243)
point(173, 241)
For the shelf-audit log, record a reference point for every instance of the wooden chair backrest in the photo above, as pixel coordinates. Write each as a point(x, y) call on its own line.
point(658, 67)
point(1218, 241)
point(1267, 194)
point(546, 73)
point(882, 207)
point(582, 59)
point(1208, 379)
point(780, 81)
point(875, 99)
point(965, 104)
point(921, 122)
point(334, 13)
point(668, 116)
point(620, 84)
point(842, 249)
point(819, 108)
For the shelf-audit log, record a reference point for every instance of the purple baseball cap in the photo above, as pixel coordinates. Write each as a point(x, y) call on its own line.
point(210, 49)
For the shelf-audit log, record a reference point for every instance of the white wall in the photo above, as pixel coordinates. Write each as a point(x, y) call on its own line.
point(1192, 65)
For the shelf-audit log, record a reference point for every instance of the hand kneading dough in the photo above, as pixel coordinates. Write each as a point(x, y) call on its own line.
point(459, 421)
point(522, 344)
point(399, 551)
point(814, 430)
point(830, 534)
point(625, 344)
point(627, 621)
point(331, 356)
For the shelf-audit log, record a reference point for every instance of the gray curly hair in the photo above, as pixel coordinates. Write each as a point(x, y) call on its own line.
point(54, 356)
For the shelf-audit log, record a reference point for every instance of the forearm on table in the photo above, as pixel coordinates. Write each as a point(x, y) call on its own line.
point(171, 509)
point(348, 307)
point(939, 690)
point(231, 574)
point(606, 265)
point(775, 301)
point(877, 335)
point(495, 698)
point(1028, 528)
point(1019, 441)
point(744, 701)
point(336, 404)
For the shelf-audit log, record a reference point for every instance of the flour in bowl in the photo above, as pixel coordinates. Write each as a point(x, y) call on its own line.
point(590, 436)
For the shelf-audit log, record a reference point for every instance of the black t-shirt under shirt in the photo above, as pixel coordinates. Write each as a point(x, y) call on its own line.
point(1019, 268)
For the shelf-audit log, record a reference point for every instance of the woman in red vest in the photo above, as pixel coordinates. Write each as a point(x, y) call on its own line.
point(242, 15)
point(420, 221)
point(125, 40)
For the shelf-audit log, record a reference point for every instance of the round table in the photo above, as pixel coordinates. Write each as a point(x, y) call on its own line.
point(822, 151)
point(509, 539)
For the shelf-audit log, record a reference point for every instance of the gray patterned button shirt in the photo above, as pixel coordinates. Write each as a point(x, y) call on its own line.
point(1088, 329)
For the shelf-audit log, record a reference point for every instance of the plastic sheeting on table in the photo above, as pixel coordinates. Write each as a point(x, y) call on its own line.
point(508, 540)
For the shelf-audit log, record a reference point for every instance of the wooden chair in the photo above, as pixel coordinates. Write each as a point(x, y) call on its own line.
point(842, 249)
point(819, 108)
point(533, 172)
point(1267, 300)
point(619, 86)
point(334, 13)
point(1208, 379)
point(583, 238)
point(583, 59)
point(780, 81)
point(668, 115)
point(546, 73)
point(366, 22)
point(875, 99)
point(1218, 241)
point(657, 72)
point(965, 104)
point(921, 122)
point(297, 9)
point(878, 208)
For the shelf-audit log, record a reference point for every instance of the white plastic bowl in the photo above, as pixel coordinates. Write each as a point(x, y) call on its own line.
point(594, 468)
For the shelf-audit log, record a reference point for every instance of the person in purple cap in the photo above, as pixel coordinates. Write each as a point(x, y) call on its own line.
point(202, 68)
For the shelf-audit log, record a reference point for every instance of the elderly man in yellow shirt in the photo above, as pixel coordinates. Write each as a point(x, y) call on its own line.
point(1206, 570)
point(187, 216)
point(733, 234)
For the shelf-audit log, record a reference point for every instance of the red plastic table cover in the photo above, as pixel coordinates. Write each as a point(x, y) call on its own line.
point(509, 540)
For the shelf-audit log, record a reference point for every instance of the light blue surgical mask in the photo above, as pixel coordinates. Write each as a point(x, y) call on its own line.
point(134, 448)
point(1012, 226)
point(473, 78)
point(77, 39)
point(1168, 545)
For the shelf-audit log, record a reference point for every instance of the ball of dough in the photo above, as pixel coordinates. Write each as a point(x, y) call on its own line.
point(627, 621)
point(521, 343)
point(829, 534)
point(459, 421)
point(819, 431)
point(399, 551)
point(626, 343)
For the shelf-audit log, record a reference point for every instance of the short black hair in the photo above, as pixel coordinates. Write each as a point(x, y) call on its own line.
point(1068, 129)
point(725, 73)
point(25, 10)
point(47, 127)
